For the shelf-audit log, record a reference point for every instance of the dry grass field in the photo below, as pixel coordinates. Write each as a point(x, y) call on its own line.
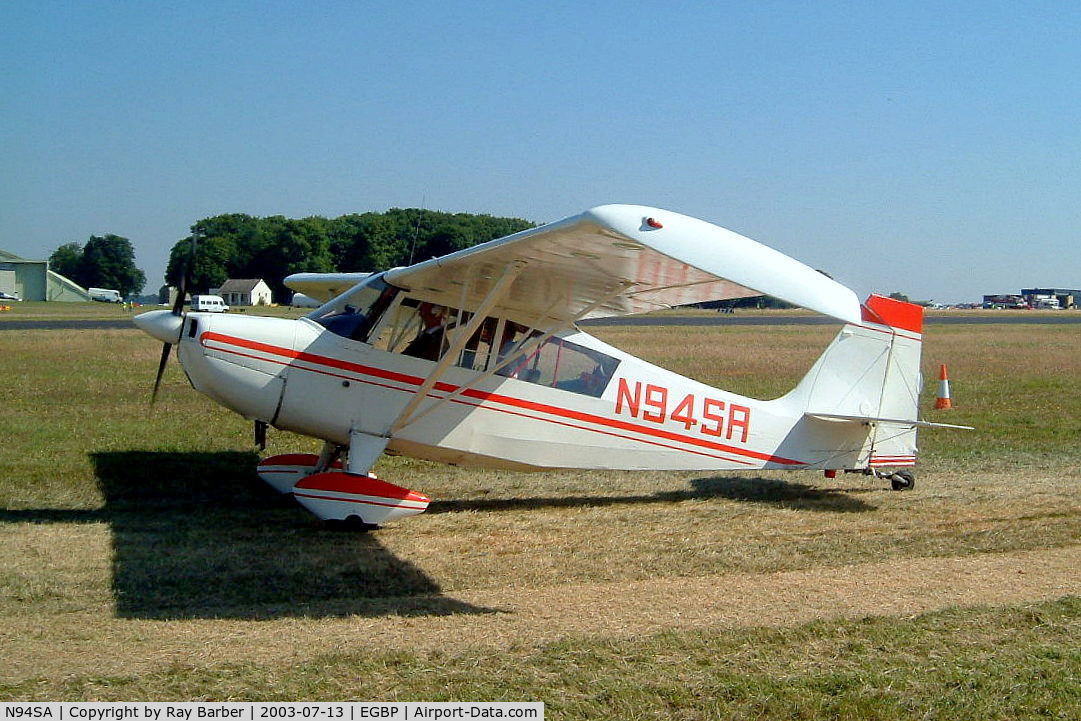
point(144, 560)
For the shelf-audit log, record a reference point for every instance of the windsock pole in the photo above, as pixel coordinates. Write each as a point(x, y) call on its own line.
point(943, 402)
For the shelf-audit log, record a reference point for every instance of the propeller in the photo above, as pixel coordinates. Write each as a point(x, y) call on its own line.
point(178, 312)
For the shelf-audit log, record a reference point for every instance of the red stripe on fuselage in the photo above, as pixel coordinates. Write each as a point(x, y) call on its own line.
point(483, 397)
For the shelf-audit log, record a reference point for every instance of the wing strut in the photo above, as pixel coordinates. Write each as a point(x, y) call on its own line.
point(510, 272)
point(525, 348)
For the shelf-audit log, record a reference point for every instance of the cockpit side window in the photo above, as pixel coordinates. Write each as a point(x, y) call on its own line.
point(354, 314)
point(559, 363)
point(427, 330)
point(419, 329)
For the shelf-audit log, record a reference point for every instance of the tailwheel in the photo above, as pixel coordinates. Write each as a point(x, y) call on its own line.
point(903, 481)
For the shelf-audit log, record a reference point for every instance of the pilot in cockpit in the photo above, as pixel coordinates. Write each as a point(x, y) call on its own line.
point(432, 339)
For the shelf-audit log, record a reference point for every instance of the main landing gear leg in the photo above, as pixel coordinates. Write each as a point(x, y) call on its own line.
point(328, 456)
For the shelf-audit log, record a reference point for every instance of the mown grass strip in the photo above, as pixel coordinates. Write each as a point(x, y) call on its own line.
point(982, 663)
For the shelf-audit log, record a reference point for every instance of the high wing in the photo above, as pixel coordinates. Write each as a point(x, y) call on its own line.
point(618, 260)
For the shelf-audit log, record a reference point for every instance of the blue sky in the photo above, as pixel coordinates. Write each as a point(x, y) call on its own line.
point(931, 148)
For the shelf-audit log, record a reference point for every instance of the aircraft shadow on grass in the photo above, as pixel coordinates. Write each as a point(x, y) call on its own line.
point(754, 490)
point(198, 535)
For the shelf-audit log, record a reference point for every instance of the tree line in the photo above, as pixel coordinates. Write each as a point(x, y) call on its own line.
point(236, 245)
point(104, 261)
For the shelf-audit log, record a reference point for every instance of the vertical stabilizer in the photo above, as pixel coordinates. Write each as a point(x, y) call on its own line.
point(870, 373)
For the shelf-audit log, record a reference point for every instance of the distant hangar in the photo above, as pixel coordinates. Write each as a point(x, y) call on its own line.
point(32, 280)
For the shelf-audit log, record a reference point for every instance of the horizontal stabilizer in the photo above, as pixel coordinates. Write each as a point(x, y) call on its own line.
point(891, 421)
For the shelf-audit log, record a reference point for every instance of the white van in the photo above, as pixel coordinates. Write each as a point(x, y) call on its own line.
point(209, 304)
point(105, 295)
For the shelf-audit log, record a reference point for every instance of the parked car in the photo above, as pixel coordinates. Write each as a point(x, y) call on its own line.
point(9, 296)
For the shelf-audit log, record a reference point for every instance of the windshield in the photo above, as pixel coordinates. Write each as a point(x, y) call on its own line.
point(353, 314)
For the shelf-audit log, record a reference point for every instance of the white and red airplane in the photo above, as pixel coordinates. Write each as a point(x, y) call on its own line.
point(474, 358)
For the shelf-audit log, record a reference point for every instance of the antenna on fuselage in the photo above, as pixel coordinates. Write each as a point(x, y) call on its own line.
point(416, 228)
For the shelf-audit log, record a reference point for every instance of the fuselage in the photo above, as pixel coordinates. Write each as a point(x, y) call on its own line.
point(299, 376)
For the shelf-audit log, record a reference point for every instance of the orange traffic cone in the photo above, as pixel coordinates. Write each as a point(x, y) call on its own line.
point(943, 402)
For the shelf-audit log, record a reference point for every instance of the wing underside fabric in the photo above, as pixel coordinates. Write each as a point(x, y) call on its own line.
point(621, 260)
